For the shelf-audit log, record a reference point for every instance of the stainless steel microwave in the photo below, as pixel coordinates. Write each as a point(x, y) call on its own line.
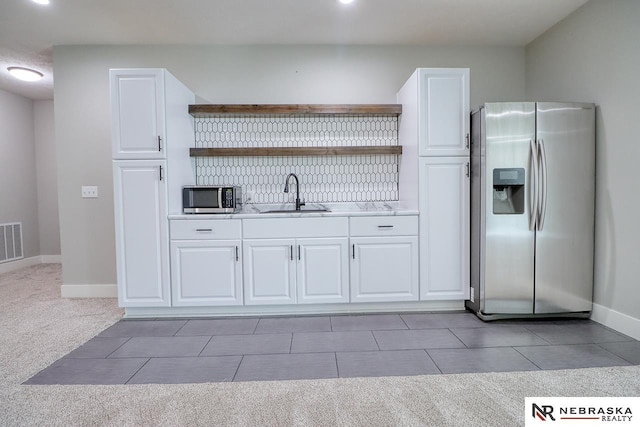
point(207, 199)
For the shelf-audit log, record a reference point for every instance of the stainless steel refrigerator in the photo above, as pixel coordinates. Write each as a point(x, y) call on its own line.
point(532, 209)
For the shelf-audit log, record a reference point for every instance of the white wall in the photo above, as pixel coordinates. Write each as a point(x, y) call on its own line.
point(593, 56)
point(18, 196)
point(46, 174)
point(225, 74)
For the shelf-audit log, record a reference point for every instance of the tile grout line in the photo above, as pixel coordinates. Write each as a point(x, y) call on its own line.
point(434, 362)
point(233, 379)
point(375, 340)
point(458, 338)
point(138, 370)
point(180, 328)
point(612, 353)
point(205, 346)
point(119, 347)
point(534, 363)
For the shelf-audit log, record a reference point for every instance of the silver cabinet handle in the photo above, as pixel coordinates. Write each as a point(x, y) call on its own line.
point(467, 140)
point(159, 143)
point(534, 193)
point(299, 253)
point(204, 230)
point(385, 226)
point(291, 252)
point(353, 251)
point(468, 170)
point(237, 254)
point(543, 178)
point(160, 173)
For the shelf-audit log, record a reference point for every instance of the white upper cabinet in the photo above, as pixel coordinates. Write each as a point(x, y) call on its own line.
point(443, 110)
point(138, 114)
point(142, 235)
point(444, 228)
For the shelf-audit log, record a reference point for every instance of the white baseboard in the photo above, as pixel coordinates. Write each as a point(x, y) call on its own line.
point(294, 309)
point(89, 291)
point(20, 263)
point(51, 259)
point(621, 322)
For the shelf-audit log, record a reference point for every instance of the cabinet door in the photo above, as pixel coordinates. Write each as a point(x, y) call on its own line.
point(137, 114)
point(322, 270)
point(141, 226)
point(444, 112)
point(206, 272)
point(444, 228)
point(384, 269)
point(269, 271)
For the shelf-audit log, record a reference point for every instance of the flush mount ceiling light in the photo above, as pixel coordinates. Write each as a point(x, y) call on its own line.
point(345, 1)
point(41, 1)
point(26, 74)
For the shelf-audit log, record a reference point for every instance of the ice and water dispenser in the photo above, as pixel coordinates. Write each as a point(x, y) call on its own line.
point(508, 191)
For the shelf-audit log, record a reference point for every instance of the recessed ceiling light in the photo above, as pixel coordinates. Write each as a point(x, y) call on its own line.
point(41, 1)
point(26, 74)
point(345, 1)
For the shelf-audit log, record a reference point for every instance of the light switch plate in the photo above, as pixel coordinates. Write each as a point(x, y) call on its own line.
point(89, 192)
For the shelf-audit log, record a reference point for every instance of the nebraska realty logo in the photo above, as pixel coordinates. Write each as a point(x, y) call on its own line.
point(582, 411)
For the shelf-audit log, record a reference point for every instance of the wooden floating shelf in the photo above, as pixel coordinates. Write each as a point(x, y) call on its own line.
point(296, 151)
point(205, 110)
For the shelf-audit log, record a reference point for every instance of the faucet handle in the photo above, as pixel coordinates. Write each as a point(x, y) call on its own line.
point(302, 203)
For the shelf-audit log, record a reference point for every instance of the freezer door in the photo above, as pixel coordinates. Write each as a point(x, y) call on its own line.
point(506, 283)
point(564, 240)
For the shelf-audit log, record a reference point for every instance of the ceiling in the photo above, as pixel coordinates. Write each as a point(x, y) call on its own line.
point(29, 31)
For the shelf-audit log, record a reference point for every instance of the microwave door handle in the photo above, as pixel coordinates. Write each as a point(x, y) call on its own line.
point(219, 190)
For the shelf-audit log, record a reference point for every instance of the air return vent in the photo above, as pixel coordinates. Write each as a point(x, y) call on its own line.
point(10, 242)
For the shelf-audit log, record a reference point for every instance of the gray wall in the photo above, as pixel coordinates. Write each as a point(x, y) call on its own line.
point(225, 74)
point(18, 196)
point(593, 56)
point(46, 174)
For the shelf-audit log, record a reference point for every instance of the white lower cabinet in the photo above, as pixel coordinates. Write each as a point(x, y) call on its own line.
point(384, 269)
point(322, 270)
point(384, 258)
point(206, 272)
point(444, 228)
point(289, 271)
point(269, 271)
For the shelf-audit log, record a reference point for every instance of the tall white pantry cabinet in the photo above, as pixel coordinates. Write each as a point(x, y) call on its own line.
point(149, 115)
point(434, 128)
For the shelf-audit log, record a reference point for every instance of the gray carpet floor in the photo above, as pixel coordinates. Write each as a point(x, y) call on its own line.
point(38, 327)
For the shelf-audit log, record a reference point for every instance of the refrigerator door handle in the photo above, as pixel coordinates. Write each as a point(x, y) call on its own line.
point(543, 178)
point(533, 207)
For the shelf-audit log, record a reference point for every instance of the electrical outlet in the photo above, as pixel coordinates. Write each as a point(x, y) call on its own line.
point(89, 192)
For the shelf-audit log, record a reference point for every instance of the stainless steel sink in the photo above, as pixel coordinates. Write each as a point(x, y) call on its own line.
point(295, 211)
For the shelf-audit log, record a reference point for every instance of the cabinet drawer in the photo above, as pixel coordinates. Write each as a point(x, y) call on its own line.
point(196, 229)
point(384, 226)
point(276, 228)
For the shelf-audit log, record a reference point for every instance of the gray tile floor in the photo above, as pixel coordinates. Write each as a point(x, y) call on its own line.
point(282, 348)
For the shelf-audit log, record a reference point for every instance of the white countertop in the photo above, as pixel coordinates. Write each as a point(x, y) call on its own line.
point(335, 209)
